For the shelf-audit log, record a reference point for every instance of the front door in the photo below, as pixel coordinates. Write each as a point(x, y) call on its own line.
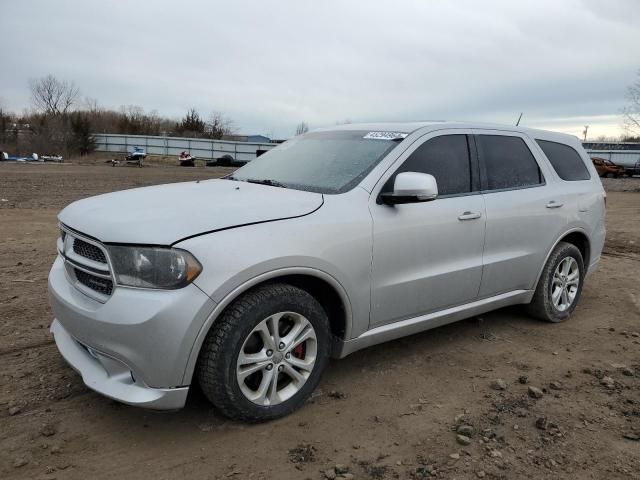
point(428, 256)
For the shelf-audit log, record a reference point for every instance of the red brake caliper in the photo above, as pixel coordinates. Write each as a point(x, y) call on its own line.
point(298, 352)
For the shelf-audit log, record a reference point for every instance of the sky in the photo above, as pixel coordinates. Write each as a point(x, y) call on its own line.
point(271, 64)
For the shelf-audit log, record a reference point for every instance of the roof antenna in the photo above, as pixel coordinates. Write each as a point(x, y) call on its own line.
point(519, 118)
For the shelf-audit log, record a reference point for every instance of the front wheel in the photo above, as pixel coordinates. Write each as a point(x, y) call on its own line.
point(265, 355)
point(560, 284)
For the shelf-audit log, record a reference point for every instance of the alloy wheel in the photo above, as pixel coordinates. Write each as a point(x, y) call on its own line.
point(565, 283)
point(276, 358)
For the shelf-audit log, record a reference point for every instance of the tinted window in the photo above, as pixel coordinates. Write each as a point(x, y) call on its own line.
point(508, 162)
point(447, 159)
point(565, 161)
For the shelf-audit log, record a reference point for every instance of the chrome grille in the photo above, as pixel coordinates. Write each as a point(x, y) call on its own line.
point(89, 251)
point(86, 264)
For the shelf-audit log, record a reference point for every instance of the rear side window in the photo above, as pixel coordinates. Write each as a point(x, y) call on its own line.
point(565, 161)
point(508, 162)
point(447, 159)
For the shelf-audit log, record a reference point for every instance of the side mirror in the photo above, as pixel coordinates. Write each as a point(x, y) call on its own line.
point(411, 187)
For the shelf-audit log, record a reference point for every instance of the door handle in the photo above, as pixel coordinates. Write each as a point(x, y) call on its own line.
point(554, 204)
point(469, 216)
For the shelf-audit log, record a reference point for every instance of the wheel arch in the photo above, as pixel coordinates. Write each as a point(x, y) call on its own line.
point(577, 237)
point(322, 286)
point(580, 240)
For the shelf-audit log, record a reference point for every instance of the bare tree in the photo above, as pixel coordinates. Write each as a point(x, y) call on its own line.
point(135, 121)
point(52, 96)
point(91, 105)
point(219, 126)
point(631, 112)
point(6, 122)
point(302, 128)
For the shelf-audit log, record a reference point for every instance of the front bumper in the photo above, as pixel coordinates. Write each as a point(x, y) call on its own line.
point(113, 378)
point(134, 347)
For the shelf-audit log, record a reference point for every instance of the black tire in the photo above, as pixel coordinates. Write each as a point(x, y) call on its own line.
point(216, 369)
point(225, 161)
point(541, 305)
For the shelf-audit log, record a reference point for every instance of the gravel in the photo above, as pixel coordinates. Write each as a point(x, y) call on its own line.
point(621, 184)
point(466, 430)
point(498, 384)
point(535, 392)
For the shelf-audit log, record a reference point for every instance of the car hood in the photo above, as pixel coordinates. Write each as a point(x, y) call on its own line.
point(166, 214)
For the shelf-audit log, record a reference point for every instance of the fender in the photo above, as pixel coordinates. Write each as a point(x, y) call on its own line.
point(239, 290)
point(555, 243)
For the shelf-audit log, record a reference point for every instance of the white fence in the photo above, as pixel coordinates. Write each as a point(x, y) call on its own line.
point(624, 158)
point(172, 146)
point(247, 151)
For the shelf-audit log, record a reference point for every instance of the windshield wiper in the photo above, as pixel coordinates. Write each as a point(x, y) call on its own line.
point(267, 181)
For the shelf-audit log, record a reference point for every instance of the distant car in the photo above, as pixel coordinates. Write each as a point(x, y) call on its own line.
point(607, 168)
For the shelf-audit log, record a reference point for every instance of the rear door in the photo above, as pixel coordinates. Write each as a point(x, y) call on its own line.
point(582, 188)
point(428, 256)
point(525, 210)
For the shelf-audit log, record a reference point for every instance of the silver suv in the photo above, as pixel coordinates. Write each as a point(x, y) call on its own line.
point(333, 241)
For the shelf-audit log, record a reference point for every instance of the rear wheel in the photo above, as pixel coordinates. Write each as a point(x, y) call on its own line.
point(560, 284)
point(265, 355)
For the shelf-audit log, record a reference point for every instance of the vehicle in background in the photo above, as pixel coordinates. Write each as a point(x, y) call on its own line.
point(630, 171)
point(236, 150)
point(134, 157)
point(606, 168)
point(334, 241)
point(628, 159)
point(185, 159)
point(4, 156)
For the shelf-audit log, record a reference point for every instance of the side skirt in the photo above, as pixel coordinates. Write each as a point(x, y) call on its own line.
point(410, 326)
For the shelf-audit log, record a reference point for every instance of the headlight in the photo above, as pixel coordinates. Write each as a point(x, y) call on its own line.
point(153, 267)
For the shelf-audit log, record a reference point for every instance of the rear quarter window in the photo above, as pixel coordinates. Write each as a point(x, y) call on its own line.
point(565, 161)
point(508, 162)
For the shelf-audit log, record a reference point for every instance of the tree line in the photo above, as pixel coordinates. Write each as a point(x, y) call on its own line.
point(59, 122)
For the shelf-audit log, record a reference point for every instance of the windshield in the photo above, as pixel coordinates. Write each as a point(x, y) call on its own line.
point(324, 162)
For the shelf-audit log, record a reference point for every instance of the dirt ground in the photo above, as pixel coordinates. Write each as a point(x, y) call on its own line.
point(387, 412)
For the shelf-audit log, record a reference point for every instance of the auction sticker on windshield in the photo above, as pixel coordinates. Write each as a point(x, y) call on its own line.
point(385, 135)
